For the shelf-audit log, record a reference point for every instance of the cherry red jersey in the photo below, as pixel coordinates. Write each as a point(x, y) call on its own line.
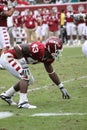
point(37, 50)
point(86, 22)
point(36, 53)
point(30, 22)
point(3, 19)
point(69, 17)
point(53, 23)
point(17, 20)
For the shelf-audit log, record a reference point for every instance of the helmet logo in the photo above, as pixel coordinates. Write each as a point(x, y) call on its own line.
point(35, 48)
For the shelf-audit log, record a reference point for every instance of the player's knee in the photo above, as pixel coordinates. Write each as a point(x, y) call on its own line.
point(30, 79)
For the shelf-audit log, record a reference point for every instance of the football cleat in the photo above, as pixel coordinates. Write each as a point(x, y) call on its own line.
point(7, 99)
point(1, 67)
point(26, 105)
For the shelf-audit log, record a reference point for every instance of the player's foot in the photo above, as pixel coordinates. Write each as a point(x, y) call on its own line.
point(1, 67)
point(26, 105)
point(7, 99)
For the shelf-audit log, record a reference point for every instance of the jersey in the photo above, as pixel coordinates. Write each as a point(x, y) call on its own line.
point(3, 19)
point(36, 53)
point(4, 36)
point(33, 53)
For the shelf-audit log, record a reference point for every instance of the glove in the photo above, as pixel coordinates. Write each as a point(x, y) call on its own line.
point(65, 94)
point(24, 67)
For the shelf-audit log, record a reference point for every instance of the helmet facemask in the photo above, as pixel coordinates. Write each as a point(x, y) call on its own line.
point(54, 46)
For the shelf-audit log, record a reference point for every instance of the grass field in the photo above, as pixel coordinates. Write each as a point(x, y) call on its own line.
point(55, 112)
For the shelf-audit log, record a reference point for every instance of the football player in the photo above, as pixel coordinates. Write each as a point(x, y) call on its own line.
point(5, 12)
point(71, 26)
point(34, 52)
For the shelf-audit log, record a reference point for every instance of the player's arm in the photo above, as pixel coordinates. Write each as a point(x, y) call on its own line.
point(54, 77)
point(9, 12)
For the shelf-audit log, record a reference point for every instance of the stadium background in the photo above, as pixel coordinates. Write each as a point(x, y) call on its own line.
point(49, 6)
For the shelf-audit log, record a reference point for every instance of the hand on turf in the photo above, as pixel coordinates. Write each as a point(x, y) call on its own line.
point(65, 94)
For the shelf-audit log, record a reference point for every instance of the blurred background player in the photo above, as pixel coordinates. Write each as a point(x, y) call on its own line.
point(53, 22)
point(5, 12)
point(84, 45)
point(81, 23)
point(30, 24)
point(71, 26)
point(63, 33)
point(85, 29)
point(18, 31)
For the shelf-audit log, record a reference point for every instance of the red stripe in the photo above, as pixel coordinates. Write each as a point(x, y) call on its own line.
point(4, 32)
point(18, 68)
point(10, 57)
point(5, 35)
point(10, 60)
point(3, 28)
point(7, 43)
point(14, 64)
point(6, 38)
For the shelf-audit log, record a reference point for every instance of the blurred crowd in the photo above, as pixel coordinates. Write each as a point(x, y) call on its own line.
point(27, 26)
point(33, 2)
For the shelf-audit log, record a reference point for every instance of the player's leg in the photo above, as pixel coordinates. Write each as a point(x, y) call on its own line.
point(20, 70)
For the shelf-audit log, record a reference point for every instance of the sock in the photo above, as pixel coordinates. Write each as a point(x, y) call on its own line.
point(10, 92)
point(69, 42)
point(1, 66)
point(23, 98)
point(61, 85)
point(79, 42)
point(0, 63)
point(75, 42)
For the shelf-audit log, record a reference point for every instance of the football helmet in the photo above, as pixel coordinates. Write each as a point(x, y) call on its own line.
point(69, 8)
point(54, 46)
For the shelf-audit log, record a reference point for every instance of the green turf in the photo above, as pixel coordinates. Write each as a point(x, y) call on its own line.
point(71, 66)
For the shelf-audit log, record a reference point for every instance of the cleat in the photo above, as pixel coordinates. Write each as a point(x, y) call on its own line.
point(1, 67)
point(7, 99)
point(26, 105)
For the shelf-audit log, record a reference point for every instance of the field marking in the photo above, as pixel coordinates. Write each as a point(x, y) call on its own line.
point(58, 114)
point(5, 114)
point(46, 86)
point(73, 79)
point(67, 81)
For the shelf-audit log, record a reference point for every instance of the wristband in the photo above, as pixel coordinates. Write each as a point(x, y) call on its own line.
point(61, 88)
point(51, 72)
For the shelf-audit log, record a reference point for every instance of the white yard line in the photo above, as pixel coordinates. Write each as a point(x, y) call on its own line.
point(58, 114)
point(5, 114)
point(67, 81)
point(46, 86)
